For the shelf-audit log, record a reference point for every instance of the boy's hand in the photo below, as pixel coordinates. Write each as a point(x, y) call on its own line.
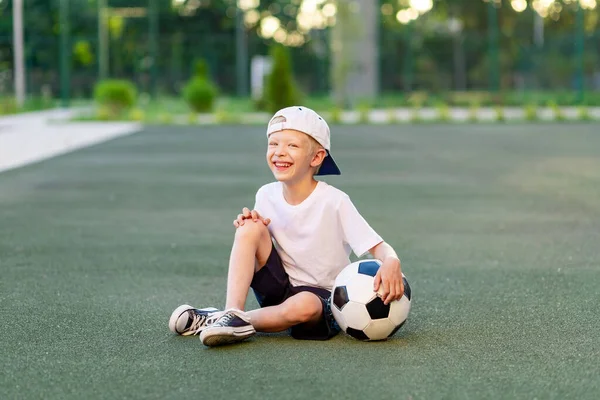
point(247, 214)
point(389, 280)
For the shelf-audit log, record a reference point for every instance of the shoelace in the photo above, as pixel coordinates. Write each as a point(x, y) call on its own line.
point(199, 321)
point(225, 319)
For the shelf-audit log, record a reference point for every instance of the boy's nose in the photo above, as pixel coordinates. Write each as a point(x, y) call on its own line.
point(280, 150)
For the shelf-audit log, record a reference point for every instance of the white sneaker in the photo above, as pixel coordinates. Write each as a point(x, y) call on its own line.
point(187, 320)
point(230, 327)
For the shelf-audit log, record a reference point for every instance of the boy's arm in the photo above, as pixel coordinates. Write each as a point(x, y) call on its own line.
point(357, 233)
point(382, 251)
point(389, 276)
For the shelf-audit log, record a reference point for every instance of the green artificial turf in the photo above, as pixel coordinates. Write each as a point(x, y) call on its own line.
point(498, 228)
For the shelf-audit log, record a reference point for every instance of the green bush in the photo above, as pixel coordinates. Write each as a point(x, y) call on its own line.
point(223, 116)
point(201, 69)
point(418, 99)
point(104, 113)
point(583, 114)
point(115, 96)
point(335, 116)
point(473, 112)
point(200, 94)
point(531, 113)
point(8, 105)
point(137, 114)
point(443, 112)
point(364, 109)
point(165, 118)
point(192, 118)
point(392, 118)
point(281, 90)
point(559, 116)
point(415, 115)
point(500, 117)
point(260, 104)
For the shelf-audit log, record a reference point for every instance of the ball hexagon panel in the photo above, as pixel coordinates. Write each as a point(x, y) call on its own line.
point(379, 329)
point(339, 318)
point(377, 309)
point(346, 274)
point(360, 289)
point(355, 315)
point(399, 310)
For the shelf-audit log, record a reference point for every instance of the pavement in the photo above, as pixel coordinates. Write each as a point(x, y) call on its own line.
point(32, 137)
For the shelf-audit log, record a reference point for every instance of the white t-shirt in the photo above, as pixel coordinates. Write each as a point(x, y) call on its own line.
point(314, 238)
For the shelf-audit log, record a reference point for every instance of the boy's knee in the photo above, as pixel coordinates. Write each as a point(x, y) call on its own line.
point(257, 235)
point(251, 230)
point(303, 307)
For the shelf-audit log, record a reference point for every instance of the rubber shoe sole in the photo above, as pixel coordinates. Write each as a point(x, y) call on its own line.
point(218, 336)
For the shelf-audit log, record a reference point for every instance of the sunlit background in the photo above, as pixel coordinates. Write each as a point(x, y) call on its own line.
point(362, 50)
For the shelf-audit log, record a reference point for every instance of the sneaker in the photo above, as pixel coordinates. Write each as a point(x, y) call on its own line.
point(230, 327)
point(187, 320)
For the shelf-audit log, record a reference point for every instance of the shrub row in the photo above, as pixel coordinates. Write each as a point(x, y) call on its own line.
point(116, 97)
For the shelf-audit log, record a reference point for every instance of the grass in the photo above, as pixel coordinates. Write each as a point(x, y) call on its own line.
point(155, 111)
point(237, 111)
point(388, 100)
point(168, 104)
point(497, 227)
point(8, 105)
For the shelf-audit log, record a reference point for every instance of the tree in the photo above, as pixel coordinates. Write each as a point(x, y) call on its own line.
point(281, 90)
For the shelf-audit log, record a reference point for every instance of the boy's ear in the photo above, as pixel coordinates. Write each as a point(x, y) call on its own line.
point(318, 157)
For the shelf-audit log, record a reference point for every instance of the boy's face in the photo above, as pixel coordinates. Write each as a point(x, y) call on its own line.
point(291, 156)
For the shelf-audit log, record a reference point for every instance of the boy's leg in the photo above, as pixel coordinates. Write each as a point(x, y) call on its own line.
point(254, 261)
point(251, 249)
point(326, 327)
point(304, 307)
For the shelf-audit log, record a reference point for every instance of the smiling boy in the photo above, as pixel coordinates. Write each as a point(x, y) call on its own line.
point(291, 246)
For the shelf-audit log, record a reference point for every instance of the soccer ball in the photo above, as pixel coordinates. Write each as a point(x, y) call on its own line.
point(358, 309)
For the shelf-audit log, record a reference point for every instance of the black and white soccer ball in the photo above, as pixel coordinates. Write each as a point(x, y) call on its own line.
point(358, 309)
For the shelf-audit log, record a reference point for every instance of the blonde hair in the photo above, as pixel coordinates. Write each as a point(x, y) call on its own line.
point(314, 146)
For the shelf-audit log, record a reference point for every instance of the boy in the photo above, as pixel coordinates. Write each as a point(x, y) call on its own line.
point(291, 247)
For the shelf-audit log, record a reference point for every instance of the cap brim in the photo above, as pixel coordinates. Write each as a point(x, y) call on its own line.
point(329, 167)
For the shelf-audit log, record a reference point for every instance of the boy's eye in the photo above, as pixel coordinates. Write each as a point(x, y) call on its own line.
point(272, 144)
point(293, 145)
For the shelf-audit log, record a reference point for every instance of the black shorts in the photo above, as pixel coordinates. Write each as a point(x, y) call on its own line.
point(271, 286)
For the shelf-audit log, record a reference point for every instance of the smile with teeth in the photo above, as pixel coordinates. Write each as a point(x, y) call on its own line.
point(280, 165)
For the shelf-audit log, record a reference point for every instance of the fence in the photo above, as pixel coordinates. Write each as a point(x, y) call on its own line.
point(409, 60)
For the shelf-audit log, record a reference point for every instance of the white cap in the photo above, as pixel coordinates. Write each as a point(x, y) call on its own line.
point(307, 121)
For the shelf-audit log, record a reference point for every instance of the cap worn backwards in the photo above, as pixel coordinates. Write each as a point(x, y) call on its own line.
point(307, 121)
